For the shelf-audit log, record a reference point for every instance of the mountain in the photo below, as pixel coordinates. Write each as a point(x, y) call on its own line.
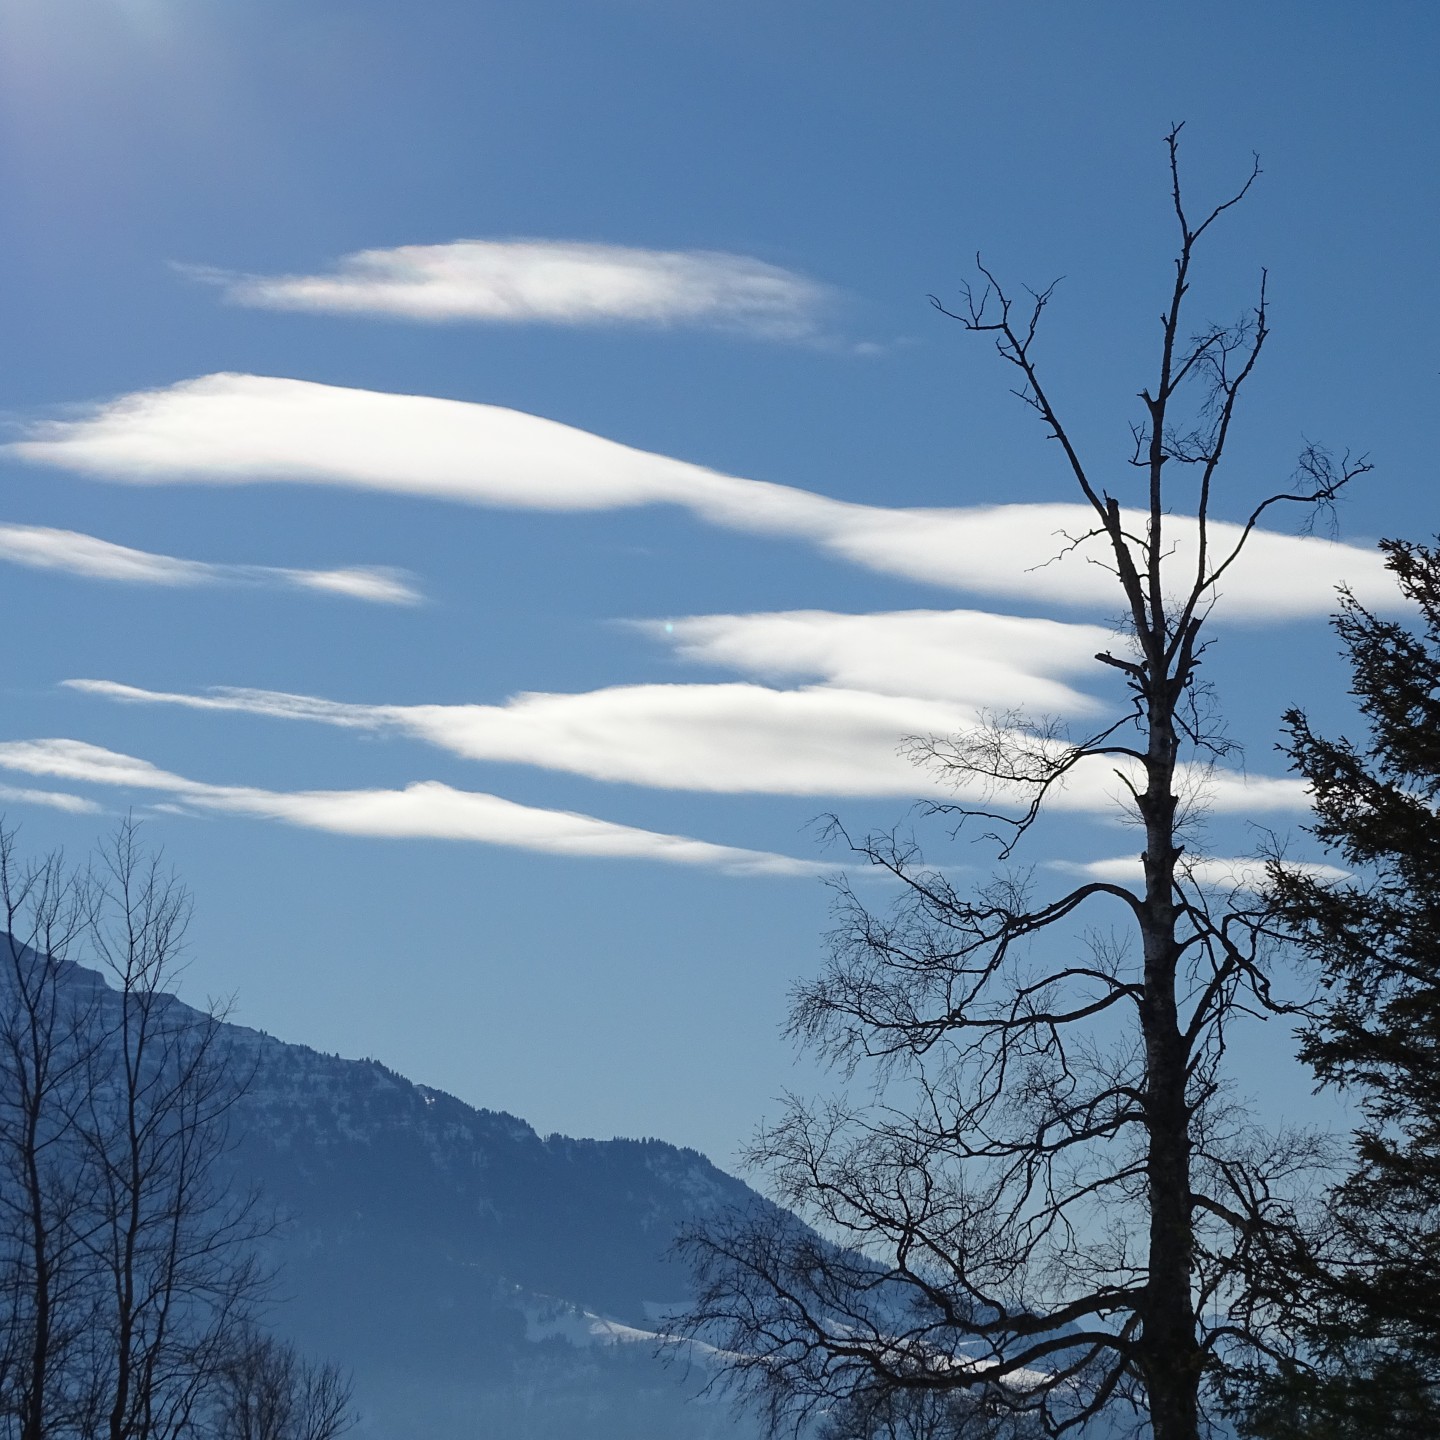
point(479, 1280)
point(482, 1282)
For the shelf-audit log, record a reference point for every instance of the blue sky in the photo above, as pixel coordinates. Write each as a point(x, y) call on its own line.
point(383, 380)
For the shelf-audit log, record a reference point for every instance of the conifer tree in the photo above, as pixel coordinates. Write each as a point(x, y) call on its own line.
point(1375, 1321)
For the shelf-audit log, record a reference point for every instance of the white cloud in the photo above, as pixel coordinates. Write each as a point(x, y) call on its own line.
point(42, 548)
point(548, 282)
point(242, 429)
point(734, 739)
point(380, 584)
point(977, 659)
point(1211, 872)
point(1094, 787)
point(426, 810)
point(51, 799)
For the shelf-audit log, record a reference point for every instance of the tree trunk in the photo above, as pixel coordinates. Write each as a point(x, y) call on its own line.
point(1171, 1354)
point(34, 1422)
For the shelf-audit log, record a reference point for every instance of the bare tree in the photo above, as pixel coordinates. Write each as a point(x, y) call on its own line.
point(128, 1262)
point(266, 1391)
point(177, 1252)
point(45, 1029)
point(887, 1413)
point(1049, 1199)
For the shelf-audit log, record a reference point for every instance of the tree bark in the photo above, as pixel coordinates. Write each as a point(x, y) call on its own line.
point(1170, 1354)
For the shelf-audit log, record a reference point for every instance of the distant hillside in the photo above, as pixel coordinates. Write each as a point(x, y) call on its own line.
point(481, 1281)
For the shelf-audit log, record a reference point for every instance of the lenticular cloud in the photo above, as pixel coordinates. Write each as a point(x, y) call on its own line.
point(721, 739)
point(40, 547)
point(986, 662)
point(546, 282)
point(244, 429)
point(426, 810)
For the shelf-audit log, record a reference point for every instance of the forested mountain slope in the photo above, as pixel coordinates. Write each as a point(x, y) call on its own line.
point(478, 1279)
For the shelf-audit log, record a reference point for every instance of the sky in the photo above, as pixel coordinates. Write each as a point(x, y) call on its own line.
point(481, 481)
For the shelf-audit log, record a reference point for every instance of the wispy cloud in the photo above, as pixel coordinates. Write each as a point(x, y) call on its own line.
point(728, 739)
point(546, 282)
point(1212, 872)
point(242, 429)
point(735, 739)
point(50, 799)
point(427, 810)
point(983, 661)
point(42, 548)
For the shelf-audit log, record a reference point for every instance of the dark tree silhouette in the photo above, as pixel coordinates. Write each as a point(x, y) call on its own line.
point(174, 1248)
point(1046, 1199)
point(887, 1413)
point(46, 1030)
point(1373, 1320)
point(129, 1270)
point(267, 1391)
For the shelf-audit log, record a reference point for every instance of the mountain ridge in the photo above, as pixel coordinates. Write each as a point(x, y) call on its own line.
point(482, 1282)
point(479, 1279)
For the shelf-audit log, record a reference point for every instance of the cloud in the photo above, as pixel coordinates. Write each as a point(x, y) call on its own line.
point(243, 429)
point(546, 282)
point(426, 810)
point(728, 738)
point(380, 584)
point(42, 548)
point(1211, 872)
point(977, 659)
point(51, 799)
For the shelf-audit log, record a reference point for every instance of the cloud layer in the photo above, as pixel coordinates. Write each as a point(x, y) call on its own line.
point(977, 659)
point(51, 799)
point(1211, 872)
point(728, 739)
point(243, 429)
point(547, 282)
point(41, 548)
point(426, 810)
point(732, 739)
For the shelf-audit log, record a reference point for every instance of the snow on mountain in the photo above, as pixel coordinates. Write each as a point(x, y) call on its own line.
point(481, 1281)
